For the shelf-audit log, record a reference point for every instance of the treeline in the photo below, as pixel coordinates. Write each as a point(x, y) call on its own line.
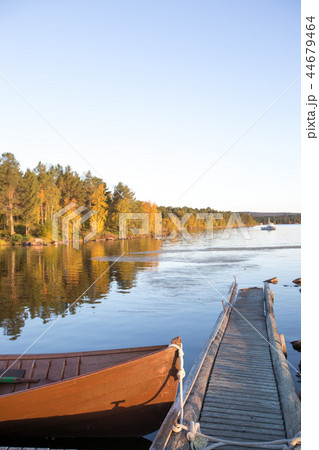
point(28, 200)
point(200, 224)
point(279, 219)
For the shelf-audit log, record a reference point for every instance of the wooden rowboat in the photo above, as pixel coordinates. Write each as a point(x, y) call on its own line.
point(111, 393)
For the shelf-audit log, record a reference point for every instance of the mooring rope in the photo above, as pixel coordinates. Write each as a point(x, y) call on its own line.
point(181, 375)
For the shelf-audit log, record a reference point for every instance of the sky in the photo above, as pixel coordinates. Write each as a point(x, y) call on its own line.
point(152, 93)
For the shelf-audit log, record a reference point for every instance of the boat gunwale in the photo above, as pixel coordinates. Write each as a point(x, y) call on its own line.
point(28, 356)
point(90, 374)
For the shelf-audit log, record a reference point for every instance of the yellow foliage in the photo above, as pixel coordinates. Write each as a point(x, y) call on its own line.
point(151, 209)
point(99, 204)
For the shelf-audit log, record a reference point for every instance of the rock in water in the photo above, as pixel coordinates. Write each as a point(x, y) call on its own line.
point(296, 345)
point(273, 280)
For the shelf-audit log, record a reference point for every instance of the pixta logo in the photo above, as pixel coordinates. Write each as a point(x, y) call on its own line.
point(143, 219)
point(75, 219)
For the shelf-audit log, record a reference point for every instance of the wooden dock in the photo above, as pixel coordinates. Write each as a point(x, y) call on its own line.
point(240, 388)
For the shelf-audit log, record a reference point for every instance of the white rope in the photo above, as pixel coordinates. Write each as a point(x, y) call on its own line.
point(181, 375)
point(198, 441)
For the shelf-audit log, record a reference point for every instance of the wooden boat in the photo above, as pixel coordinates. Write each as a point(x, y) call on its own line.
point(111, 393)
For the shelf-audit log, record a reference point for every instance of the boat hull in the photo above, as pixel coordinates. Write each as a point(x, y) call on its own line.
point(126, 400)
point(135, 421)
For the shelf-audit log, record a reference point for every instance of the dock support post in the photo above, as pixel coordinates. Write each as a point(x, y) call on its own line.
point(289, 400)
point(283, 344)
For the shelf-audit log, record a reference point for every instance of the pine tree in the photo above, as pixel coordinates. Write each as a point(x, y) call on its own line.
point(30, 200)
point(49, 193)
point(10, 187)
point(90, 185)
point(41, 173)
point(71, 187)
point(123, 201)
point(121, 192)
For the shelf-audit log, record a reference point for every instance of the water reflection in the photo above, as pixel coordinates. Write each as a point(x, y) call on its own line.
point(44, 281)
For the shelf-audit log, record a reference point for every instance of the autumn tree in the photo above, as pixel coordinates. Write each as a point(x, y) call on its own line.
point(151, 210)
point(99, 204)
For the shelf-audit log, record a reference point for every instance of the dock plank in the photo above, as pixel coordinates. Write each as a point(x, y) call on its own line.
point(242, 383)
point(247, 418)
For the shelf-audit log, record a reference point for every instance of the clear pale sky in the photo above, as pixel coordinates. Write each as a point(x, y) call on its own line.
point(151, 93)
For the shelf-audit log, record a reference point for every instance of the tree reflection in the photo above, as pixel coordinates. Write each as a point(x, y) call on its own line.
point(44, 281)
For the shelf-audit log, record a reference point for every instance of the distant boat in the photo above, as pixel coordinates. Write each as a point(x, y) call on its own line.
point(108, 393)
point(270, 226)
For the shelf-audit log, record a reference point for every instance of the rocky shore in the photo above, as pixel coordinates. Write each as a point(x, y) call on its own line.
point(43, 242)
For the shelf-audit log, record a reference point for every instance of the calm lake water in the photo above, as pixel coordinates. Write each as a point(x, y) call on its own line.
point(156, 291)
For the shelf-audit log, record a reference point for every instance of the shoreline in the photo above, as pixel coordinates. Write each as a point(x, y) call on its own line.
point(45, 242)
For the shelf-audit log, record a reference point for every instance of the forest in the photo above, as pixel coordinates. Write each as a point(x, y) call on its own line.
point(28, 200)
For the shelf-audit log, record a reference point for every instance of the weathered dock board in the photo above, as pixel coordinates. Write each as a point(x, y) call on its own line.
point(245, 393)
point(242, 385)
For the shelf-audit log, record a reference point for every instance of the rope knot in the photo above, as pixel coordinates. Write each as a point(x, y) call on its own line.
point(179, 427)
point(181, 373)
point(194, 428)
